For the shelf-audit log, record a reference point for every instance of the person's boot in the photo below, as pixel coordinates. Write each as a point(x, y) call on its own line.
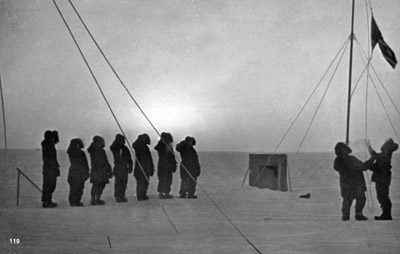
point(142, 197)
point(99, 201)
point(360, 217)
point(183, 195)
point(345, 214)
point(50, 204)
point(93, 201)
point(161, 195)
point(191, 195)
point(386, 215)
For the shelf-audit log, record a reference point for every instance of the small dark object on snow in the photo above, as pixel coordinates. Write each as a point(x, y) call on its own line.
point(308, 195)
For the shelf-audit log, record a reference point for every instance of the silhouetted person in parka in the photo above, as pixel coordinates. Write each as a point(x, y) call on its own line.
point(122, 167)
point(144, 167)
point(100, 169)
point(78, 171)
point(382, 176)
point(51, 168)
point(166, 165)
point(189, 168)
point(352, 182)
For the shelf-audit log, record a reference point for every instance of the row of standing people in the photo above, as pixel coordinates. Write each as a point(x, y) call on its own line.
point(101, 171)
point(352, 182)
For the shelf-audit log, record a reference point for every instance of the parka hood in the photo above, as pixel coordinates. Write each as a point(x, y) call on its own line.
point(97, 144)
point(75, 145)
point(389, 146)
point(341, 149)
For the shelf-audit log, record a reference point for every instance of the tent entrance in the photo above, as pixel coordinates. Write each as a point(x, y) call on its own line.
point(268, 171)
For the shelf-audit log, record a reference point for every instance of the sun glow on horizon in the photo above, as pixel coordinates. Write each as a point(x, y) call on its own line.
point(172, 118)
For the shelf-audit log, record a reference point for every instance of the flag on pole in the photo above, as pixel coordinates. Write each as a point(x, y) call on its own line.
point(388, 54)
point(377, 38)
point(376, 34)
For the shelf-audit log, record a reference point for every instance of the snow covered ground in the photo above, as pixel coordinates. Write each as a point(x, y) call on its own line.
point(274, 222)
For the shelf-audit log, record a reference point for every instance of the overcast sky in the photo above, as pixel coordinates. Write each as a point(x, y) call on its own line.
point(233, 74)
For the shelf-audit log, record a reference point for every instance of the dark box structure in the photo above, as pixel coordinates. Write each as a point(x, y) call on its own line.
point(268, 171)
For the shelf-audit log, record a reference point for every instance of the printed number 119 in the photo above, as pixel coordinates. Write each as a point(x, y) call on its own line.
point(14, 241)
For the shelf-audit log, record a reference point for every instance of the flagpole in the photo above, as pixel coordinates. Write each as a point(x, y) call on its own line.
point(350, 73)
